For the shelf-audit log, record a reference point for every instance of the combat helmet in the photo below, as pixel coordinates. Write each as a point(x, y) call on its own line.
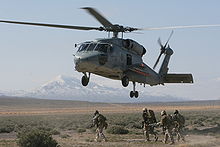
point(176, 112)
point(144, 109)
point(96, 112)
point(163, 113)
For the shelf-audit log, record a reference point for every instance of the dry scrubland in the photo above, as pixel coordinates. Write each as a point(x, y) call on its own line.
point(69, 122)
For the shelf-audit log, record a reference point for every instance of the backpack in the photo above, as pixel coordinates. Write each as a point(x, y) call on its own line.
point(181, 119)
point(101, 118)
point(170, 119)
point(152, 116)
point(167, 121)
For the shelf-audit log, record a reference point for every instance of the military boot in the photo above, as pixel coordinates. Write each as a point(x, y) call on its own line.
point(104, 140)
point(165, 139)
point(172, 140)
point(156, 138)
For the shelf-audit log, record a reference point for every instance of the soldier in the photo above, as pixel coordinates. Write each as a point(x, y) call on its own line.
point(100, 122)
point(166, 123)
point(152, 116)
point(145, 115)
point(145, 124)
point(152, 120)
point(179, 122)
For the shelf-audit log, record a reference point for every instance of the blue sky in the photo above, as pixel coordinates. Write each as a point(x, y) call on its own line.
point(30, 56)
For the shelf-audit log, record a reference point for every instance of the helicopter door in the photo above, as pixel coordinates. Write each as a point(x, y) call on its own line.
point(129, 59)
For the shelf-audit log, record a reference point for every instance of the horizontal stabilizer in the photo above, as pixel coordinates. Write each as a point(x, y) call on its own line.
point(178, 78)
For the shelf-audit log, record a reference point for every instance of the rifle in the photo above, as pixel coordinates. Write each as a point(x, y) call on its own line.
point(154, 124)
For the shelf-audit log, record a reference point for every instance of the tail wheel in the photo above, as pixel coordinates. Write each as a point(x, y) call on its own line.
point(125, 81)
point(85, 81)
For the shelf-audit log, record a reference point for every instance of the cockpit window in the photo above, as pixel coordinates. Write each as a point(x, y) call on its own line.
point(83, 47)
point(91, 46)
point(101, 47)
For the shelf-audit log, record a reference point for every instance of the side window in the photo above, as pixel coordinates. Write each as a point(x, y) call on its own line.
point(101, 48)
point(129, 59)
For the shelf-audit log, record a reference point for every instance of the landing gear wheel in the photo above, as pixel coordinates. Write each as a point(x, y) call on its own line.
point(131, 94)
point(125, 81)
point(136, 94)
point(85, 81)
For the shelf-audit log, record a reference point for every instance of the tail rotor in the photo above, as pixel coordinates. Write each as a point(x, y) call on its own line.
point(162, 49)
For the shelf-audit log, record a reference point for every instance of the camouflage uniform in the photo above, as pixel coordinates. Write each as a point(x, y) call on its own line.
point(152, 120)
point(166, 123)
point(100, 122)
point(145, 124)
point(179, 122)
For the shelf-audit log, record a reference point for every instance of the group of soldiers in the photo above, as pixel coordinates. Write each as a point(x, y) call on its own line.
point(170, 124)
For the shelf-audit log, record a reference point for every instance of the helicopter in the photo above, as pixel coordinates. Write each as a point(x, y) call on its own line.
point(118, 58)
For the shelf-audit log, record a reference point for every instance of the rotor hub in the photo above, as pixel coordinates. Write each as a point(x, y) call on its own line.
point(169, 51)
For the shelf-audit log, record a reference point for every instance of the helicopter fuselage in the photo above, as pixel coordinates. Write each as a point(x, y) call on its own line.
point(111, 59)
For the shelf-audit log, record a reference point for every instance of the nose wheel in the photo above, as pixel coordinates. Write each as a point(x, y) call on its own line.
point(134, 93)
point(85, 79)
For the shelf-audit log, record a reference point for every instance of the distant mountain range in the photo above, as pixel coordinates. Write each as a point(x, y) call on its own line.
point(70, 88)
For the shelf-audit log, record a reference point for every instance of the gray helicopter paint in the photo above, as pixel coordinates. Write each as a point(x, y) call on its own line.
point(116, 66)
point(88, 61)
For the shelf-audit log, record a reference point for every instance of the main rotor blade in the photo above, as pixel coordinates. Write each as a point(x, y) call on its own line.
point(53, 25)
point(98, 16)
point(182, 27)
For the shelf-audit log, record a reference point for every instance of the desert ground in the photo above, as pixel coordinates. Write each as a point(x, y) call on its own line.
point(70, 121)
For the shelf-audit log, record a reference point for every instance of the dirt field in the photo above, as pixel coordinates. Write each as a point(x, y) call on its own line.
point(128, 141)
point(67, 117)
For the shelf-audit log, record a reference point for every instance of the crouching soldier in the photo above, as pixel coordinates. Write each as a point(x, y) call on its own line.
point(179, 122)
point(167, 125)
point(100, 122)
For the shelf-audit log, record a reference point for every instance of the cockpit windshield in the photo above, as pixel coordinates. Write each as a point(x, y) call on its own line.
point(83, 47)
point(91, 46)
point(100, 47)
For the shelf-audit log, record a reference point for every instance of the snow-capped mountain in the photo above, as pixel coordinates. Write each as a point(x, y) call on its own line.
point(70, 87)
